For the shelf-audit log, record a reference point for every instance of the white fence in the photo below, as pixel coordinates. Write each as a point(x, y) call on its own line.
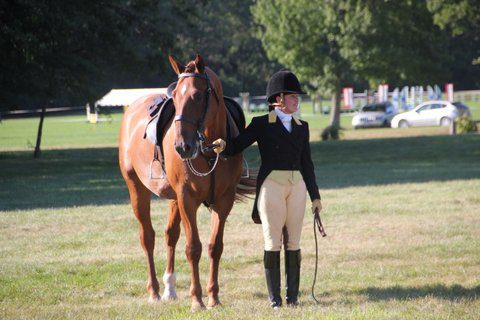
point(407, 100)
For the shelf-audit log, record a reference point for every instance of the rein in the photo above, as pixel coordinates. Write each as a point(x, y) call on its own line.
point(202, 174)
point(317, 223)
point(200, 123)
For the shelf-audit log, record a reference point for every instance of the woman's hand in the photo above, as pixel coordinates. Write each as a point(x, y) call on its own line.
point(316, 205)
point(221, 145)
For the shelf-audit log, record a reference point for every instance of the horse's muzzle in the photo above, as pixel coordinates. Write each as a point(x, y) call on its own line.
point(187, 150)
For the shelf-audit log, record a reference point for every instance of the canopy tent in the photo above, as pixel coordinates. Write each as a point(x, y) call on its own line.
point(125, 97)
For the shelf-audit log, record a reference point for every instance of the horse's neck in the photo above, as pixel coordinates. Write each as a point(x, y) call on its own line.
point(218, 129)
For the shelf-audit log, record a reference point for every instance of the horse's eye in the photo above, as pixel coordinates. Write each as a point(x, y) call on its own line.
point(198, 96)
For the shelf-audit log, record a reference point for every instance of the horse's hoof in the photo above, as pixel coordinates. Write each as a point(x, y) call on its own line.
point(154, 298)
point(197, 306)
point(169, 296)
point(213, 303)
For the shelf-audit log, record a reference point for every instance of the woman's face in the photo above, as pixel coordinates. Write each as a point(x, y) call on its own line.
point(290, 103)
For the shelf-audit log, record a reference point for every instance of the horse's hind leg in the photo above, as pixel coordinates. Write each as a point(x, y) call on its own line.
point(140, 198)
point(172, 233)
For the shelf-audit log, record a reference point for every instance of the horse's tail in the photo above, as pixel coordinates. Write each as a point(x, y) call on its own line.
point(246, 187)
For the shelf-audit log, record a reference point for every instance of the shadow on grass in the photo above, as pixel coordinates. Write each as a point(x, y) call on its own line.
point(77, 177)
point(453, 292)
point(61, 178)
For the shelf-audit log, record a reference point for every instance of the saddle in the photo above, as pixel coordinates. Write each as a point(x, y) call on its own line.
point(162, 112)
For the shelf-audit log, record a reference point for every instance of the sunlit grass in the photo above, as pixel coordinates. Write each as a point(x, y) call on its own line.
point(401, 214)
point(404, 251)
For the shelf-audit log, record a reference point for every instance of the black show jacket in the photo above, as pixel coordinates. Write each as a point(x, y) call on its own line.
point(279, 150)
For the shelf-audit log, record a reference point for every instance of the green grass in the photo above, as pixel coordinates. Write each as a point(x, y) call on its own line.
point(401, 214)
point(60, 132)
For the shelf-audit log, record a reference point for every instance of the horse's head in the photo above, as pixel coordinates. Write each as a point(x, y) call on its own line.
point(192, 97)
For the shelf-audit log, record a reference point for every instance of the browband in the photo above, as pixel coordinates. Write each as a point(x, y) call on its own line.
point(195, 75)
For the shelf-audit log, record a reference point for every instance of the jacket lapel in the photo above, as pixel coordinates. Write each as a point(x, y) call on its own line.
point(294, 136)
point(289, 137)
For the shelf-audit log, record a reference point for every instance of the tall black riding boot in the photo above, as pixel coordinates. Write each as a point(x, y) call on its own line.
point(292, 275)
point(271, 261)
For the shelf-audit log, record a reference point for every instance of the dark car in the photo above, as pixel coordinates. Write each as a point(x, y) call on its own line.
point(463, 110)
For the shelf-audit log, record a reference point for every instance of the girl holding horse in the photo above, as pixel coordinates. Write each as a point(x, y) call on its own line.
point(286, 175)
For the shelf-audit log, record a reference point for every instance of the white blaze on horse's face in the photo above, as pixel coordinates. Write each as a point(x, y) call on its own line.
point(190, 108)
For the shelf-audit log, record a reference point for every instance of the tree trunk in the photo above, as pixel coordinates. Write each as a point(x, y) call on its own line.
point(333, 129)
point(335, 112)
point(36, 153)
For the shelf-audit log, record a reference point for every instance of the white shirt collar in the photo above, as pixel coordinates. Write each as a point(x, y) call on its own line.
point(284, 117)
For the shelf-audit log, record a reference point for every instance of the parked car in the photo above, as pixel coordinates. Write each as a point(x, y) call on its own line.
point(462, 109)
point(430, 113)
point(374, 115)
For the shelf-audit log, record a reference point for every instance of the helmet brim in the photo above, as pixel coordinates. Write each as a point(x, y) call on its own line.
point(273, 95)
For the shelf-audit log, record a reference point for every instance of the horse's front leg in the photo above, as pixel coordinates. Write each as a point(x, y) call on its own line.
point(215, 246)
point(193, 248)
point(215, 250)
point(172, 233)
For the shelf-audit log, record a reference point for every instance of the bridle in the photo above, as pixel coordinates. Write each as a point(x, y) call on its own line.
point(200, 124)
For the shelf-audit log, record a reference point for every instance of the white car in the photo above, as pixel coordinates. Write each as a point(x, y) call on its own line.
point(374, 115)
point(429, 113)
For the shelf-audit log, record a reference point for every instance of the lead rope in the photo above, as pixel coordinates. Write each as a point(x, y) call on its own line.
point(202, 174)
point(317, 223)
point(203, 150)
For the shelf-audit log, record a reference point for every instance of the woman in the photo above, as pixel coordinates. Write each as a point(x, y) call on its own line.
point(286, 174)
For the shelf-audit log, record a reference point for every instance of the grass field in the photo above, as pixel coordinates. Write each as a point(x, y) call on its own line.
point(401, 213)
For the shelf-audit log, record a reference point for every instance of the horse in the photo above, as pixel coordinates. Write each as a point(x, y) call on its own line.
point(200, 119)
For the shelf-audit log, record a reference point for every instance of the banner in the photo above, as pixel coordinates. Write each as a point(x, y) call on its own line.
point(395, 98)
point(430, 93)
point(449, 91)
point(419, 95)
point(438, 92)
point(411, 100)
point(403, 98)
point(383, 93)
point(347, 98)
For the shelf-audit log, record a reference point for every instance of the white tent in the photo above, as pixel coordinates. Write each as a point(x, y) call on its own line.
point(125, 97)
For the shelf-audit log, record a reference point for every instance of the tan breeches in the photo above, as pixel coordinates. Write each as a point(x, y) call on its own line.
point(279, 206)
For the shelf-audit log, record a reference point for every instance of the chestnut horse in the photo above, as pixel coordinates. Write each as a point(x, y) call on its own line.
point(199, 114)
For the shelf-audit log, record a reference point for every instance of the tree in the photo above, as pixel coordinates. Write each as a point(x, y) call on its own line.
point(54, 52)
point(304, 36)
point(394, 42)
point(223, 32)
point(333, 43)
point(460, 19)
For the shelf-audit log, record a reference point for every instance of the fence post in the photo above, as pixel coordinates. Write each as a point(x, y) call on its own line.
point(453, 127)
point(245, 96)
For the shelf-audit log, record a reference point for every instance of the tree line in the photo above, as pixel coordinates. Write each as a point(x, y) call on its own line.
point(57, 53)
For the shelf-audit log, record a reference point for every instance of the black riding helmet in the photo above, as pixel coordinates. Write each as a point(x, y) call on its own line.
point(283, 81)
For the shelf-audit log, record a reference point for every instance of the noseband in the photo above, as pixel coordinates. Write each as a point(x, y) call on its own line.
point(200, 124)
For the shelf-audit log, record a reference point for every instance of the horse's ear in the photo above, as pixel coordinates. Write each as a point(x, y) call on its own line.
point(199, 64)
point(177, 67)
